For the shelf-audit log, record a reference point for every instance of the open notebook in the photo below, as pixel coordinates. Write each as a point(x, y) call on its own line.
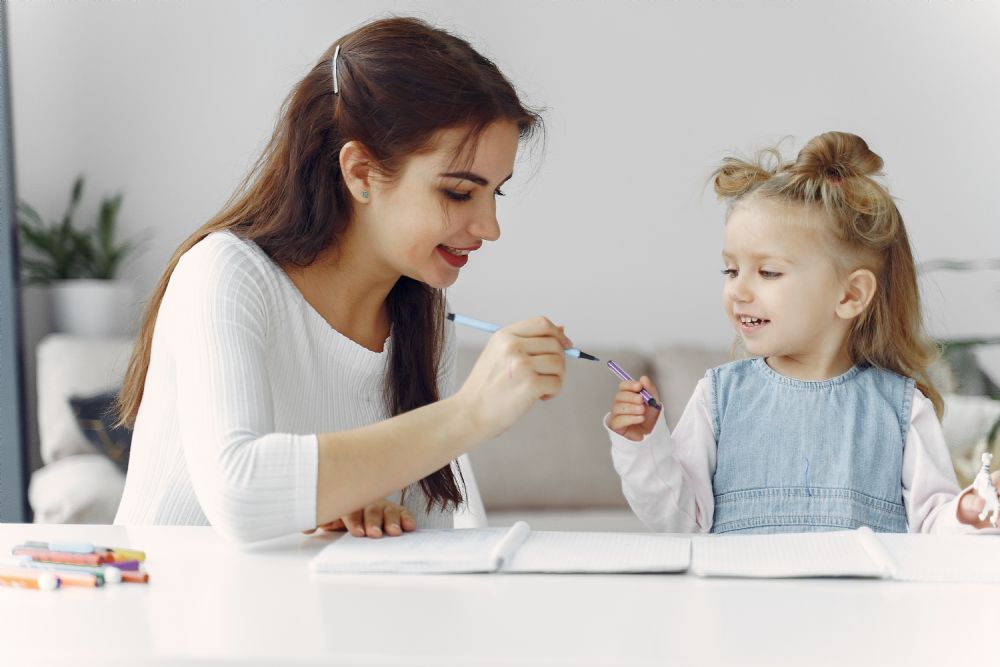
point(849, 553)
point(514, 549)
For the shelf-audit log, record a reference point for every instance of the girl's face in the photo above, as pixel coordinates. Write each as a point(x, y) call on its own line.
point(781, 286)
point(429, 221)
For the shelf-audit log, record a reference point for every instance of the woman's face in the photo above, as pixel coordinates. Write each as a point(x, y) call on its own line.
point(429, 220)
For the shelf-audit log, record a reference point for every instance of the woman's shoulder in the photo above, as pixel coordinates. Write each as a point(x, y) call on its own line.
point(224, 256)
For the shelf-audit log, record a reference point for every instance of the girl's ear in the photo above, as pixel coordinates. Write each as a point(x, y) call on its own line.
point(858, 293)
point(356, 166)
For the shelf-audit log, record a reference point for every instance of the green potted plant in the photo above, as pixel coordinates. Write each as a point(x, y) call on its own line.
point(80, 267)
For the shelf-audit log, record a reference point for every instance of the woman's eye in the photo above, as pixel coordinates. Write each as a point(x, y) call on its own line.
point(457, 196)
point(499, 193)
point(729, 272)
point(770, 274)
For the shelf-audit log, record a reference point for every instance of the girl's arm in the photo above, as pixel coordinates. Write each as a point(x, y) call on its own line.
point(667, 478)
point(930, 489)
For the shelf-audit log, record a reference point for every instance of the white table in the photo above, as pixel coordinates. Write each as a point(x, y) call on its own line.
point(209, 602)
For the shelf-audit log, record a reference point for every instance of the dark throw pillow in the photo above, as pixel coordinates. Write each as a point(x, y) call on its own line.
point(96, 417)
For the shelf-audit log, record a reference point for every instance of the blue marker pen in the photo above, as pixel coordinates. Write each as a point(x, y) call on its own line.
point(491, 328)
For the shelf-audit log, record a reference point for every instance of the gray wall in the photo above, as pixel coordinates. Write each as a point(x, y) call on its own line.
point(613, 232)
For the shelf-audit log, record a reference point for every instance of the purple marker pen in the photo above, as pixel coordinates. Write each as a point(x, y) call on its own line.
point(620, 372)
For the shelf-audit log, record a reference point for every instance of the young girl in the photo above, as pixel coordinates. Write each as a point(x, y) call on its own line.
point(833, 422)
point(294, 367)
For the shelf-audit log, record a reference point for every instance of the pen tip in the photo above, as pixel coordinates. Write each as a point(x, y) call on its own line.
point(584, 355)
point(450, 316)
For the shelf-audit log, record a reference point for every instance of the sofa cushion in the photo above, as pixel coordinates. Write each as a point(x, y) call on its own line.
point(85, 488)
point(73, 366)
point(676, 371)
point(557, 455)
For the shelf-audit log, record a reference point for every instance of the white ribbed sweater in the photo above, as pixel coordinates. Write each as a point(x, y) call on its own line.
point(243, 374)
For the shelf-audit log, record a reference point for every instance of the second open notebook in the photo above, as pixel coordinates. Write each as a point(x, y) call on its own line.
point(849, 553)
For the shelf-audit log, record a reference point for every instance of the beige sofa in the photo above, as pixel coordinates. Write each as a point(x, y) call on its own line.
point(552, 469)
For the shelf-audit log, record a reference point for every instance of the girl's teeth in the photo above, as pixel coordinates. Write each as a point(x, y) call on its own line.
point(455, 251)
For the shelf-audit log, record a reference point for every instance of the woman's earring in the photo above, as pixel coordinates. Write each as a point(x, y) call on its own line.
point(364, 194)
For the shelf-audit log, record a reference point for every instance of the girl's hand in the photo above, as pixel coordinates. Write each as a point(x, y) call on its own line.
point(971, 504)
point(630, 416)
point(522, 363)
point(381, 517)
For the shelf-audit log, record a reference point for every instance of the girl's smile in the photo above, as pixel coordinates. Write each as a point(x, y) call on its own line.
point(748, 324)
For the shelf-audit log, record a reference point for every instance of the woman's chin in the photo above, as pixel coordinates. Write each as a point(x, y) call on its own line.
point(437, 280)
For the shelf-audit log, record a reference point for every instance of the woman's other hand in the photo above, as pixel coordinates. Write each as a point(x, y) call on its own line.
point(379, 518)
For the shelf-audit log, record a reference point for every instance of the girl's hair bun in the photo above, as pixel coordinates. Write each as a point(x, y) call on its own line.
point(835, 156)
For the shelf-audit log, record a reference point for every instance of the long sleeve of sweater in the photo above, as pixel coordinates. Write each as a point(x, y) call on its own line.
point(251, 480)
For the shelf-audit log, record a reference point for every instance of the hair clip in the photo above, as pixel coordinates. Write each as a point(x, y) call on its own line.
point(333, 68)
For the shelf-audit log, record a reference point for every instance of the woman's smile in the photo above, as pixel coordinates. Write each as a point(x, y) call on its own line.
point(457, 257)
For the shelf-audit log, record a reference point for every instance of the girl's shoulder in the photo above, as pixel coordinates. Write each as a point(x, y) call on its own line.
point(737, 367)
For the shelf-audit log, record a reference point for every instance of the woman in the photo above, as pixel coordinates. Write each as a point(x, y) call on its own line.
point(293, 367)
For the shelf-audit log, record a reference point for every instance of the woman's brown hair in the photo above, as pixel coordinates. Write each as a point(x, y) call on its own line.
point(836, 172)
point(400, 81)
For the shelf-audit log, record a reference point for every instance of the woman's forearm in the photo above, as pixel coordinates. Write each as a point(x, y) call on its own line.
point(363, 464)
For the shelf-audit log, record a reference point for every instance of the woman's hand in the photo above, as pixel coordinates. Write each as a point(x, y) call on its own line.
point(381, 517)
point(971, 504)
point(522, 363)
point(630, 416)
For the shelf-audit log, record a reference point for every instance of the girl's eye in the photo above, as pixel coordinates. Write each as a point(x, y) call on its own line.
point(499, 193)
point(457, 196)
point(730, 273)
point(770, 274)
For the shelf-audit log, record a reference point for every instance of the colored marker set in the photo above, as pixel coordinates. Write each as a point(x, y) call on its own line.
point(50, 565)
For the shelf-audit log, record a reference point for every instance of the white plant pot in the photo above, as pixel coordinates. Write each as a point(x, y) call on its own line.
point(92, 307)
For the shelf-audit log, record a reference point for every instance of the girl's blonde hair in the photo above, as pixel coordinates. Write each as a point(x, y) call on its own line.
point(835, 172)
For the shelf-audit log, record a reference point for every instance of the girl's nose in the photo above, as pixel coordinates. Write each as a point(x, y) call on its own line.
point(737, 291)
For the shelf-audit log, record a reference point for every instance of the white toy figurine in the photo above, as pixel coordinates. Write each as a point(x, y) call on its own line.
point(983, 485)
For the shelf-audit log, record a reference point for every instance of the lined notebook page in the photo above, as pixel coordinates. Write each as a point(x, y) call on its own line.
point(546, 551)
point(832, 554)
point(430, 551)
point(944, 558)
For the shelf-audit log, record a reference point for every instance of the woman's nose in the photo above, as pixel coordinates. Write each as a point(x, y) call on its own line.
point(486, 226)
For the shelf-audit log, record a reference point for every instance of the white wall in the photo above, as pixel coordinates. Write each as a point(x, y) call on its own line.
point(614, 234)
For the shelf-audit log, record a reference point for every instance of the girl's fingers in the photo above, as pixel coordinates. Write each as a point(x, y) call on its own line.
point(620, 423)
point(650, 387)
point(628, 409)
point(373, 520)
point(629, 386)
point(406, 520)
point(625, 396)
